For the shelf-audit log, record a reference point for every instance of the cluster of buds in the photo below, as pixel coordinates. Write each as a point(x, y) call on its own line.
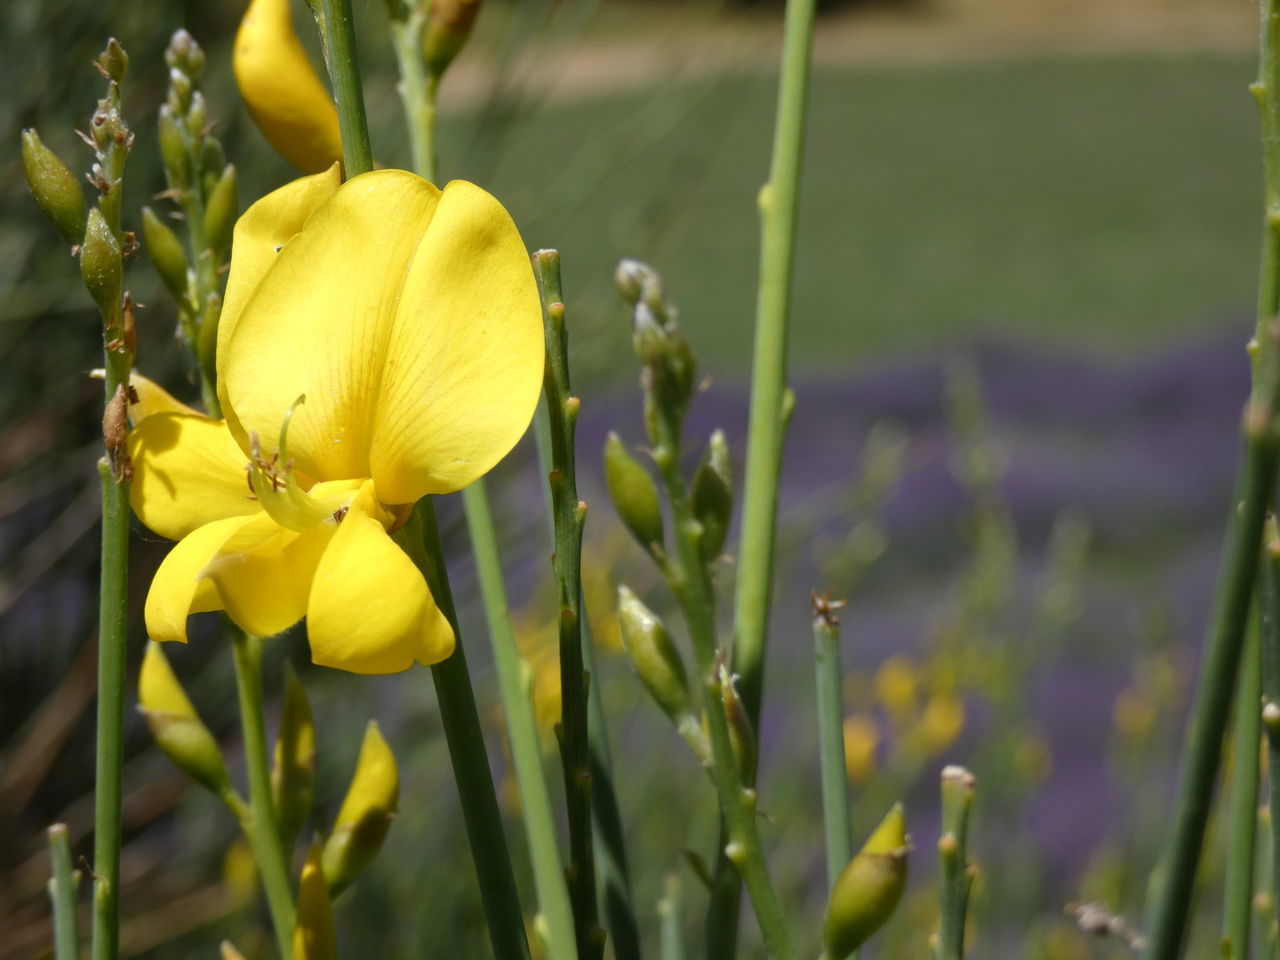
point(204, 188)
point(669, 367)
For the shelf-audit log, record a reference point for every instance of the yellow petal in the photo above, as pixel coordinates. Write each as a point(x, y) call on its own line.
point(158, 688)
point(314, 937)
point(410, 320)
point(177, 590)
point(187, 471)
point(370, 610)
point(263, 573)
point(288, 101)
point(152, 398)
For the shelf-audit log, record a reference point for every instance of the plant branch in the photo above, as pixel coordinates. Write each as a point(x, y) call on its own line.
point(337, 34)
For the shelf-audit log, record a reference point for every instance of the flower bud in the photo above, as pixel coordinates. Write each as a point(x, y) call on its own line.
point(653, 656)
point(213, 159)
point(314, 936)
point(293, 772)
point(220, 212)
point(711, 496)
point(173, 149)
point(366, 813)
point(100, 264)
point(197, 116)
point(633, 493)
point(869, 888)
point(113, 61)
point(166, 253)
point(176, 726)
point(180, 92)
point(183, 53)
point(449, 26)
point(742, 735)
point(227, 951)
point(54, 188)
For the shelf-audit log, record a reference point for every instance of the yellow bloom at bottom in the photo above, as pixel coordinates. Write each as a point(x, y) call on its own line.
point(381, 340)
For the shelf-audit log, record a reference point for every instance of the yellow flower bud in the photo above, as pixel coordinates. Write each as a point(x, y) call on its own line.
point(176, 726)
point(287, 100)
point(55, 188)
point(314, 937)
point(869, 888)
point(366, 812)
point(293, 772)
point(653, 656)
point(633, 493)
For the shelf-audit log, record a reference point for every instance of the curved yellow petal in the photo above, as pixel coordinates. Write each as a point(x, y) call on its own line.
point(314, 937)
point(370, 610)
point(152, 398)
point(410, 320)
point(285, 97)
point(263, 573)
point(187, 472)
point(178, 589)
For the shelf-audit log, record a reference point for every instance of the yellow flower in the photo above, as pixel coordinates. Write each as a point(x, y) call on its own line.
point(408, 318)
point(287, 100)
point(314, 937)
point(861, 741)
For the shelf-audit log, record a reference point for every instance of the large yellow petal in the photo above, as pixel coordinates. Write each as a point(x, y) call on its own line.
point(187, 472)
point(178, 589)
point(263, 573)
point(288, 101)
point(410, 320)
point(370, 610)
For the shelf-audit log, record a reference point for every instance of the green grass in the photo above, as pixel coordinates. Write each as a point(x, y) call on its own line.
point(1111, 203)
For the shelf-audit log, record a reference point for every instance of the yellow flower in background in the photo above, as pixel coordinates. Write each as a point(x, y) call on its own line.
point(898, 688)
point(941, 722)
point(408, 318)
point(290, 104)
point(861, 741)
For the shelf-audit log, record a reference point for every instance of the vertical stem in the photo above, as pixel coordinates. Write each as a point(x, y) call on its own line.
point(835, 782)
point(467, 752)
point(62, 892)
point(1269, 630)
point(264, 834)
point(337, 33)
point(526, 752)
point(957, 877)
point(1255, 489)
point(778, 202)
point(670, 918)
point(569, 518)
point(417, 89)
point(1238, 907)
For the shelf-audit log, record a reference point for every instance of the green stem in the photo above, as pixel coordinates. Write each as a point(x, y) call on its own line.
point(569, 518)
point(203, 323)
point(1238, 907)
point(670, 919)
point(337, 33)
point(766, 422)
point(417, 89)
point(1269, 629)
point(467, 751)
point(264, 834)
point(62, 891)
point(1255, 489)
point(835, 782)
point(957, 877)
point(526, 751)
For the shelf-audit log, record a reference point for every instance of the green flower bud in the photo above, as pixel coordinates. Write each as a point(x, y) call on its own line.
point(166, 252)
point(54, 188)
point(180, 91)
point(711, 496)
point(293, 772)
point(366, 813)
point(176, 726)
point(653, 656)
point(113, 61)
point(173, 149)
point(742, 735)
point(633, 493)
point(183, 53)
point(197, 116)
point(220, 212)
point(213, 160)
point(100, 263)
point(868, 890)
point(449, 26)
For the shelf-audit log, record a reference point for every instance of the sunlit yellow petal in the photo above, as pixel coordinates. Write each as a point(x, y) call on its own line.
point(263, 573)
point(314, 937)
point(178, 590)
point(187, 471)
point(370, 610)
point(410, 320)
point(287, 100)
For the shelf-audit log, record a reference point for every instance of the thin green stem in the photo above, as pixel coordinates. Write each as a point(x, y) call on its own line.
point(526, 751)
point(1238, 907)
point(417, 88)
point(467, 751)
point(204, 286)
point(766, 423)
point(569, 518)
point(264, 834)
point(1269, 630)
point(337, 34)
point(62, 892)
point(835, 782)
point(1255, 489)
point(670, 920)
point(957, 877)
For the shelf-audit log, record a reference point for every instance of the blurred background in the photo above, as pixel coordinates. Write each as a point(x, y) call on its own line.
point(1027, 261)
